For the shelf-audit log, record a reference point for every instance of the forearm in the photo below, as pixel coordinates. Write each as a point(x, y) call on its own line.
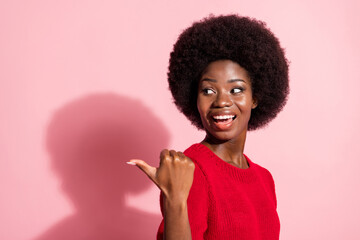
point(176, 220)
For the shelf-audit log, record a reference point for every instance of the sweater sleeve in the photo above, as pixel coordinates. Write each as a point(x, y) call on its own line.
point(198, 205)
point(273, 189)
point(271, 185)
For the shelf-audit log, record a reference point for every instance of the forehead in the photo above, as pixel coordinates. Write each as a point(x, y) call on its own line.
point(225, 70)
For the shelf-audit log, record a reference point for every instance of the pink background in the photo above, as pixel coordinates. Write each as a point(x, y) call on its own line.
point(83, 89)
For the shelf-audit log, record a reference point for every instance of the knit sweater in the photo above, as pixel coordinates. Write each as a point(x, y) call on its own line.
point(226, 202)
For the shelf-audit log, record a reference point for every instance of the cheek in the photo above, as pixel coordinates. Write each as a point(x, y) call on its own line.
point(247, 101)
point(244, 106)
point(242, 102)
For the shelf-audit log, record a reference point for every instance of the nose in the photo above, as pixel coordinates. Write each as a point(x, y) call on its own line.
point(222, 100)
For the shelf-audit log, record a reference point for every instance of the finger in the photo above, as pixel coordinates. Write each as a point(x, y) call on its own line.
point(164, 155)
point(146, 168)
point(174, 155)
point(181, 155)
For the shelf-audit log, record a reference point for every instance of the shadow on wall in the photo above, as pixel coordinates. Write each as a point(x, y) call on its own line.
point(89, 141)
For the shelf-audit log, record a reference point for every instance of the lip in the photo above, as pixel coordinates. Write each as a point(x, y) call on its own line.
point(219, 113)
point(222, 125)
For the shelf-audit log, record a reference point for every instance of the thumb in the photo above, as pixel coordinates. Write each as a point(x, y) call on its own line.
point(146, 168)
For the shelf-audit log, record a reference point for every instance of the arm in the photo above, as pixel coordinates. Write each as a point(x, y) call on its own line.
point(174, 178)
point(176, 220)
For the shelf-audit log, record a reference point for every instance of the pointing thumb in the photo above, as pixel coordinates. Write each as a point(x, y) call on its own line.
point(146, 168)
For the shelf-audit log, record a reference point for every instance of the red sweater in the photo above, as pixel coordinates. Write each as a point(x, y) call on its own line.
point(226, 202)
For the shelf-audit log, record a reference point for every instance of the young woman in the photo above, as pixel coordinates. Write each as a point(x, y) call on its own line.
point(227, 74)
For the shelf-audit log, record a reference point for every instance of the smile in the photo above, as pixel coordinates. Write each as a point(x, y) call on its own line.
point(223, 117)
point(223, 122)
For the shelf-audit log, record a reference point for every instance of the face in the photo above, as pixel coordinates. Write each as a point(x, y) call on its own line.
point(225, 100)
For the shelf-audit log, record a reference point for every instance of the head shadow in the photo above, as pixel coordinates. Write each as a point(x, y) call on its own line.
point(89, 141)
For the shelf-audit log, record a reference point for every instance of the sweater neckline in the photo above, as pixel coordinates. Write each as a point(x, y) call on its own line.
point(247, 175)
point(216, 157)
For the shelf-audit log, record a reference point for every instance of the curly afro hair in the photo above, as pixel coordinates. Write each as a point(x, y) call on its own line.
point(243, 40)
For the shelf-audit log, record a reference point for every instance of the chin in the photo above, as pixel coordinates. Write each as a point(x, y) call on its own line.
point(224, 136)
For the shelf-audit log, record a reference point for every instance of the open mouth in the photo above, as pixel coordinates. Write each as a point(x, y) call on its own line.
point(223, 122)
point(224, 118)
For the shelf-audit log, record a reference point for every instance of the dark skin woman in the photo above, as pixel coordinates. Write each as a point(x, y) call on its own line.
point(223, 96)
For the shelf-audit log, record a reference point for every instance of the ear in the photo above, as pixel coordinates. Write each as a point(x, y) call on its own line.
point(254, 104)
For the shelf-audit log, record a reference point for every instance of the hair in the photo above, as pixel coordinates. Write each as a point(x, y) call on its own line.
point(243, 40)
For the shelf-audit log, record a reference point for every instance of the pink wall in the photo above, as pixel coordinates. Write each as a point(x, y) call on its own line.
point(83, 89)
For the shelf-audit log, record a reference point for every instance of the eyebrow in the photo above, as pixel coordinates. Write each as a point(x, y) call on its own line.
point(229, 81)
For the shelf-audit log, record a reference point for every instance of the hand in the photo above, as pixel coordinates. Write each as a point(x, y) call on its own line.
point(174, 176)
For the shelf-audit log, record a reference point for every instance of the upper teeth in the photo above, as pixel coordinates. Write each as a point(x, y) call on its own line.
point(224, 116)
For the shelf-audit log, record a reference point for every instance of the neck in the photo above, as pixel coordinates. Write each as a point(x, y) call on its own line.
point(230, 151)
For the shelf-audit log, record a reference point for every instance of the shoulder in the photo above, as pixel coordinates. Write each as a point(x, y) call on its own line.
point(263, 172)
point(194, 151)
point(267, 180)
point(200, 154)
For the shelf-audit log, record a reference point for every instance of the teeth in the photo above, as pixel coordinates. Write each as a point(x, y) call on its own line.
point(222, 117)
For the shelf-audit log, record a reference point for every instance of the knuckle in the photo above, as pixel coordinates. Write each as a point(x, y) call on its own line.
point(164, 156)
point(174, 155)
point(167, 158)
point(192, 165)
point(190, 162)
point(181, 155)
point(164, 152)
point(140, 161)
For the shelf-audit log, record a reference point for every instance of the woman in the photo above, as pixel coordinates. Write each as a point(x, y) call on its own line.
point(227, 74)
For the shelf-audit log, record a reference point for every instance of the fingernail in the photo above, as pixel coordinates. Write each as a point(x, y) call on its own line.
point(131, 163)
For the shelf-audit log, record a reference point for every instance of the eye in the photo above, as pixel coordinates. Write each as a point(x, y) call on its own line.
point(208, 91)
point(237, 90)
